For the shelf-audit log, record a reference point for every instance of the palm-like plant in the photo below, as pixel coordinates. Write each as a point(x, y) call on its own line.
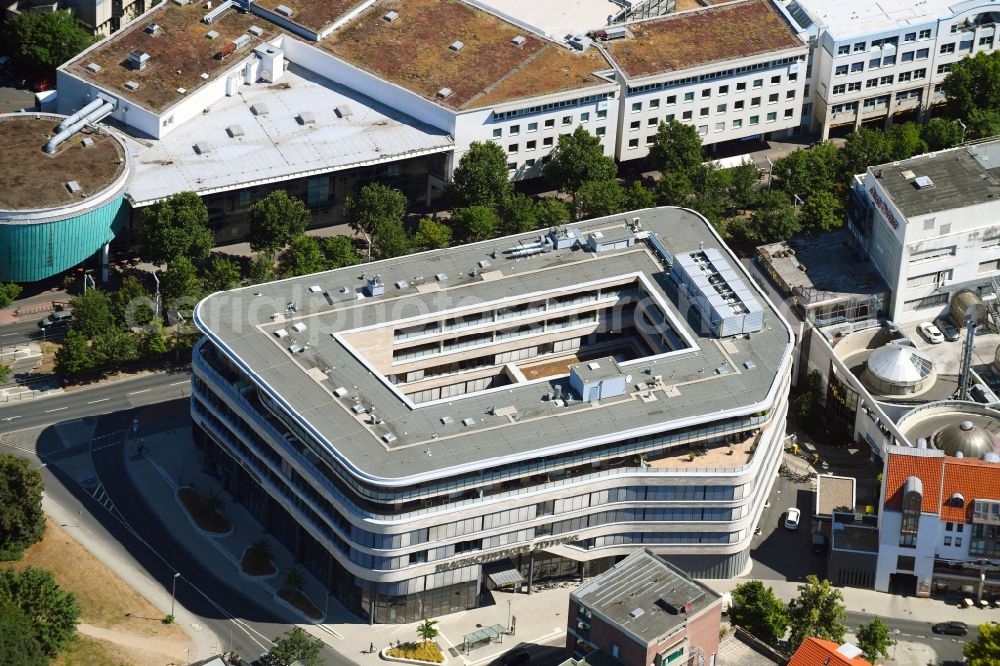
point(263, 550)
point(427, 630)
point(294, 579)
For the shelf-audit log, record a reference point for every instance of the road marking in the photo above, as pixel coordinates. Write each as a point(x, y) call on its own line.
point(186, 381)
point(92, 402)
point(139, 391)
point(57, 409)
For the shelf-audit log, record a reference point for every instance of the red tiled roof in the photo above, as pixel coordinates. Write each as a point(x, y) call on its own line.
point(928, 470)
point(816, 652)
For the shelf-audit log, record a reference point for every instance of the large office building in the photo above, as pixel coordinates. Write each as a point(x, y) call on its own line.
point(422, 429)
point(876, 61)
point(930, 226)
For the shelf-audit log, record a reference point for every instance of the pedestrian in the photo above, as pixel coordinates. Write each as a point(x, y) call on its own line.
point(371, 648)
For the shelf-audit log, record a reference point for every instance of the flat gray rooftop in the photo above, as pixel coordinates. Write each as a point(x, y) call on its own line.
point(711, 380)
point(645, 596)
point(959, 177)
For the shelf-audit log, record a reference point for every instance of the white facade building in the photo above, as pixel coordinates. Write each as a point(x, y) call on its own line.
point(931, 225)
point(874, 61)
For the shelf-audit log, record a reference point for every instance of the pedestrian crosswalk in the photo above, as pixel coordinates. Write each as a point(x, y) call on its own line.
point(99, 494)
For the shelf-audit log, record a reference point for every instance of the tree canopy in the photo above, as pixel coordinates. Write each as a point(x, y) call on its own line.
point(8, 292)
point(131, 303)
point(431, 235)
point(874, 640)
point(676, 148)
point(92, 312)
point(22, 521)
point(973, 83)
point(775, 218)
point(51, 611)
point(19, 645)
point(275, 221)
point(985, 650)
point(597, 198)
point(481, 179)
point(758, 610)
point(45, 40)
point(339, 251)
point(221, 274)
point(175, 227)
point(941, 133)
point(302, 257)
point(817, 611)
point(378, 211)
point(295, 645)
point(180, 283)
point(73, 356)
point(821, 212)
point(474, 223)
point(578, 157)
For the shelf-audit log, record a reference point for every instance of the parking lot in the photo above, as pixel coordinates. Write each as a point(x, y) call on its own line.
point(15, 93)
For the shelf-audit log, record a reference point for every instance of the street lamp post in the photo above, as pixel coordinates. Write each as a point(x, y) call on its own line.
point(173, 594)
point(156, 307)
point(508, 614)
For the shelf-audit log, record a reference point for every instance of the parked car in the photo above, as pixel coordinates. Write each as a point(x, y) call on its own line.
point(953, 628)
point(57, 318)
point(516, 656)
point(792, 518)
point(949, 330)
point(931, 333)
point(818, 542)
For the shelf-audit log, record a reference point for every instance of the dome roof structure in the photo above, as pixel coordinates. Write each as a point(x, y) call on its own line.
point(964, 440)
point(897, 369)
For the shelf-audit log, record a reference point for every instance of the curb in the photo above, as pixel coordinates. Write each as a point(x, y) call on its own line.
point(250, 577)
point(194, 523)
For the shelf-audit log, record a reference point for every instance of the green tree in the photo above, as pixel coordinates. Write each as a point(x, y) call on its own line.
point(712, 193)
point(744, 181)
point(378, 209)
point(302, 257)
point(597, 198)
point(428, 630)
point(676, 149)
point(175, 227)
point(759, 611)
point(113, 346)
point(221, 274)
point(45, 40)
point(806, 171)
point(22, 521)
point(296, 645)
point(19, 645)
point(941, 133)
point(8, 292)
point(153, 343)
point(392, 240)
point(973, 83)
point(73, 356)
point(985, 650)
point(481, 179)
point(578, 158)
point(864, 148)
point(874, 641)
point(821, 212)
point(92, 312)
point(905, 141)
point(474, 223)
point(339, 252)
point(131, 303)
point(674, 188)
point(5, 372)
point(774, 220)
point(261, 270)
point(818, 611)
point(519, 215)
point(275, 221)
point(52, 611)
point(180, 282)
point(551, 212)
point(638, 196)
point(431, 235)
point(293, 579)
point(983, 123)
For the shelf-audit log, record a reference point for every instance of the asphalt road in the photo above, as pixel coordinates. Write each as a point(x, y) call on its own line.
point(239, 622)
point(947, 648)
point(21, 332)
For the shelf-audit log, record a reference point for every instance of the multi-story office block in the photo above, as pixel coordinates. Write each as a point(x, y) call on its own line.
point(421, 429)
point(876, 61)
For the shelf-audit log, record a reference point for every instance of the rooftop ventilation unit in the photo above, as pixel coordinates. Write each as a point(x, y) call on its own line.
point(255, 30)
point(131, 85)
point(152, 29)
point(445, 420)
point(441, 277)
point(923, 182)
point(137, 59)
point(907, 174)
point(212, 34)
point(234, 131)
point(241, 40)
point(402, 284)
point(210, 17)
point(259, 109)
point(281, 333)
point(444, 93)
point(374, 286)
point(73, 187)
point(519, 40)
point(456, 46)
point(388, 438)
point(94, 67)
point(298, 327)
point(283, 10)
point(391, 16)
point(87, 143)
point(226, 50)
point(307, 118)
point(202, 148)
point(182, 91)
point(469, 422)
point(343, 111)
point(635, 612)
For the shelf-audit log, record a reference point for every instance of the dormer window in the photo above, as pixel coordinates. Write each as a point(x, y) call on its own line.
point(957, 501)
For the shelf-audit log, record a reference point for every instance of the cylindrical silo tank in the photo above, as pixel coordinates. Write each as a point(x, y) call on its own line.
point(960, 302)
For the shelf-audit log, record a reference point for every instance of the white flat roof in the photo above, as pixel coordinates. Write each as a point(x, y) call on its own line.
point(847, 18)
point(555, 18)
point(276, 145)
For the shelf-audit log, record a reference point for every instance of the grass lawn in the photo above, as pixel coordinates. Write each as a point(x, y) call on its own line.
point(87, 651)
point(204, 515)
point(300, 601)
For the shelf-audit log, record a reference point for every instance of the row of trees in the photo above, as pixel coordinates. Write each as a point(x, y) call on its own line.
point(43, 40)
point(817, 611)
point(37, 618)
